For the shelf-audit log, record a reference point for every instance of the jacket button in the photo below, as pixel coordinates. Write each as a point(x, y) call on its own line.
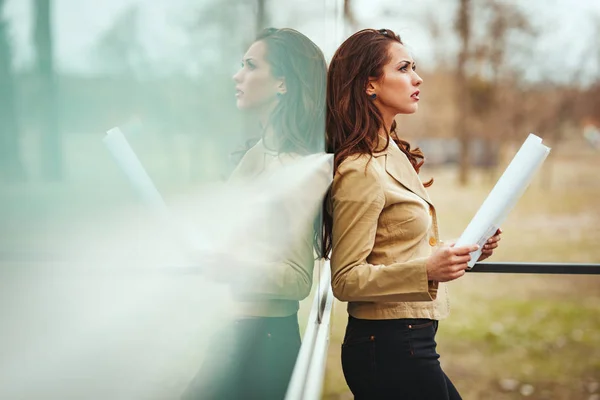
point(432, 241)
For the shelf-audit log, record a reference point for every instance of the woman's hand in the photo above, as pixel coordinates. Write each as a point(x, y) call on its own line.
point(214, 264)
point(448, 262)
point(491, 244)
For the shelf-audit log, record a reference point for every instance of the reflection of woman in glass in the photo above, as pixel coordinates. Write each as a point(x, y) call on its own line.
point(282, 83)
point(386, 261)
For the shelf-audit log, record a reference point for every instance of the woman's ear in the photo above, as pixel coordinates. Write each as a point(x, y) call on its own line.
point(371, 88)
point(281, 87)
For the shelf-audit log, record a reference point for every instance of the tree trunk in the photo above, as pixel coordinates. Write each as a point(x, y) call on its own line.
point(462, 126)
point(261, 15)
point(52, 163)
point(11, 167)
point(350, 17)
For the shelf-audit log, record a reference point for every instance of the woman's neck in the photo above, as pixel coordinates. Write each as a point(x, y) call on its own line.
point(269, 138)
point(268, 134)
point(265, 113)
point(388, 121)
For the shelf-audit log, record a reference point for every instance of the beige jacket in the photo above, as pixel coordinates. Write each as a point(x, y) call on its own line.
point(384, 229)
point(278, 265)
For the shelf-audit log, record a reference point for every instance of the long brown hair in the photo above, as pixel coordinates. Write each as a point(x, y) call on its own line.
point(299, 117)
point(353, 121)
point(298, 120)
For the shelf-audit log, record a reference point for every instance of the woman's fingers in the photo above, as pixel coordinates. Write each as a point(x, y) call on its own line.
point(492, 243)
point(464, 250)
point(458, 273)
point(461, 259)
point(494, 239)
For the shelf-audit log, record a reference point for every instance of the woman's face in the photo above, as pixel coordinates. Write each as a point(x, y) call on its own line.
point(398, 89)
point(256, 88)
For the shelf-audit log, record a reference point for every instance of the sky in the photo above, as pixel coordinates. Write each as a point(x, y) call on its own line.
point(565, 25)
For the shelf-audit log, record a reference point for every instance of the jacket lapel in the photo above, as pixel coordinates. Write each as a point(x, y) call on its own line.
point(400, 168)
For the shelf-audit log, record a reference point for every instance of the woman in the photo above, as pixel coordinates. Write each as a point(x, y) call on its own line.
point(282, 83)
point(387, 260)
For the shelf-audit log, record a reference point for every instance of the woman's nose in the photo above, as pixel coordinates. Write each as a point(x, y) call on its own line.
point(418, 80)
point(236, 77)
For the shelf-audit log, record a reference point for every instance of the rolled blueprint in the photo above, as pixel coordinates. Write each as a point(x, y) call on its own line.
point(125, 157)
point(505, 194)
point(129, 163)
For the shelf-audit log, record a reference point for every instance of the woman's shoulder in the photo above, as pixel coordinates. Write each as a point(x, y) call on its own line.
point(359, 163)
point(358, 176)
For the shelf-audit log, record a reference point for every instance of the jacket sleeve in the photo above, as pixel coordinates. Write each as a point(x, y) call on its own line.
point(281, 266)
point(358, 199)
point(288, 279)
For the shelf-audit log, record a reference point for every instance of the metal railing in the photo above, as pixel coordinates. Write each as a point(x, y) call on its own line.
point(309, 371)
point(537, 268)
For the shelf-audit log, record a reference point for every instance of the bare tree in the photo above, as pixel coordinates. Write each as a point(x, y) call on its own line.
point(349, 16)
point(52, 161)
point(11, 167)
point(434, 27)
point(490, 108)
point(463, 27)
point(118, 50)
point(591, 105)
point(262, 16)
point(216, 104)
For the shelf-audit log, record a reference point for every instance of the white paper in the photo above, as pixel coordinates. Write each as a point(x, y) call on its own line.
point(130, 164)
point(505, 194)
point(125, 157)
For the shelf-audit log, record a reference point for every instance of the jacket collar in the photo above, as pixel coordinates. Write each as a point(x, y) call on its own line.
point(400, 168)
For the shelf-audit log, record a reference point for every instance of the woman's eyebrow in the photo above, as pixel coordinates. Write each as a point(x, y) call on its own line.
point(404, 61)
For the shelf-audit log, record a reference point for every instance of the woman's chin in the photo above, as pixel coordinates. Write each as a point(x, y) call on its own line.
point(240, 104)
point(247, 106)
point(413, 108)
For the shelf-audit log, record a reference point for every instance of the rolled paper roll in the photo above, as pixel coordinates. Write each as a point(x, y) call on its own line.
point(125, 157)
point(505, 194)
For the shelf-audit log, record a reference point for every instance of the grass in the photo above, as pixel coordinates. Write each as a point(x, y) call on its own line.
point(519, 336)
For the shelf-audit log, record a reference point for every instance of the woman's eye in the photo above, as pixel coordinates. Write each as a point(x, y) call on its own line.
point(247, 64)
point(404, 69)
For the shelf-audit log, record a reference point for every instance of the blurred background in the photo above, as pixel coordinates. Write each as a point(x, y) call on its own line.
point(494, 71)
